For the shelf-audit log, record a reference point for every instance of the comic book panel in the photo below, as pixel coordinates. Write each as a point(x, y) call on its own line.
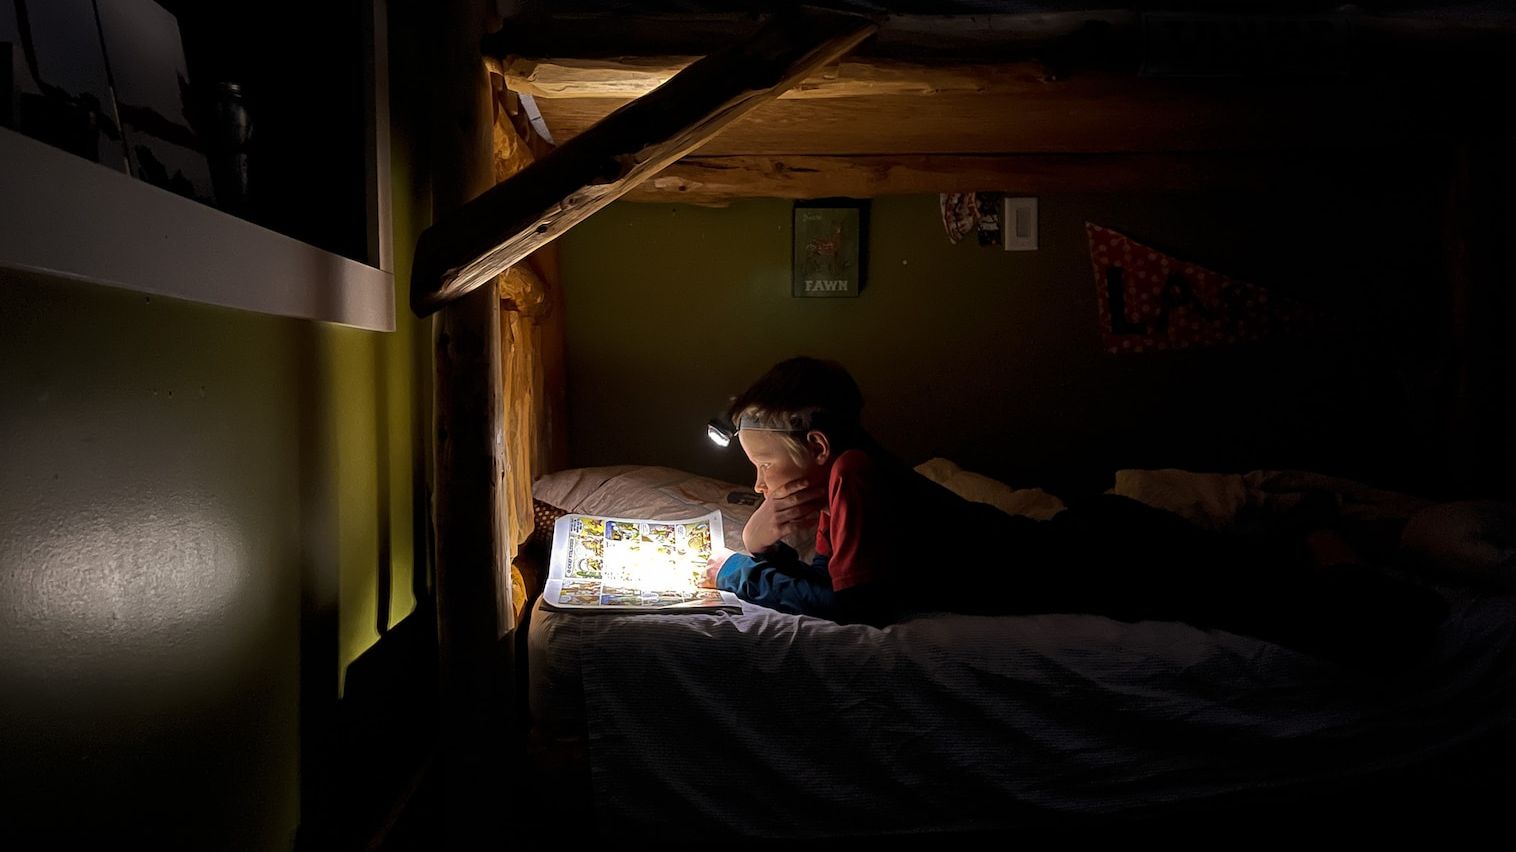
point(589, 567)
point(620, 596)
point(623, 531)
point(579, 593)
point(662, 535)
point(698, 537)
point(588, 527)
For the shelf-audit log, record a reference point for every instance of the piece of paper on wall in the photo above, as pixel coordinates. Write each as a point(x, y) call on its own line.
point(960, 214)
point(977, 213)
point(1149, 301)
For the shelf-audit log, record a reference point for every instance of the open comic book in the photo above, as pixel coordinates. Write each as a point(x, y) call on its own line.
point(633, 565)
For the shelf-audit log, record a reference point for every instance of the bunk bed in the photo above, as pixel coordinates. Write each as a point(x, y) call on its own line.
point(764, 725)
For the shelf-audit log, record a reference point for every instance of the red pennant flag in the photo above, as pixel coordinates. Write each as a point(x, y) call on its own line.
point(1149, 301)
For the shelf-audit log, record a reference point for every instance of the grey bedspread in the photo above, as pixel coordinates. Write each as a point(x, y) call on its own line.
point(767, 724)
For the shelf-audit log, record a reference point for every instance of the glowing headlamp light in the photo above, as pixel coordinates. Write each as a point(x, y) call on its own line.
point(720, 432)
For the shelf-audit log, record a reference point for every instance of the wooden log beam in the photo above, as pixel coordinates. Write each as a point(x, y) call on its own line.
point(1087, 113)
point(719, 180)
point(468, 248)
point(635, 76)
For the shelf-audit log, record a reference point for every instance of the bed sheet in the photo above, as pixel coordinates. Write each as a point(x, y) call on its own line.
point(764, 724)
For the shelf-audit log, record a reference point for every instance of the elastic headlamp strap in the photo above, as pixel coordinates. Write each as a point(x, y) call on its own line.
point(796, 423)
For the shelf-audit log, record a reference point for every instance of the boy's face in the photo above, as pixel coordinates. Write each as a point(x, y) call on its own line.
point(770, 455)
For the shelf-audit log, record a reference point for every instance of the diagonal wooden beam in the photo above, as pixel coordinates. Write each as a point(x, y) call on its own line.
point(634, 76)
point(511, 220)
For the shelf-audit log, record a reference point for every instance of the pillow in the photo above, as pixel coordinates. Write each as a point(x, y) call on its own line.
point(1210, 500)
point(568, 489)
point(1032, 502)
point(647, 491)
point(1473, 541)
point(1271, 501)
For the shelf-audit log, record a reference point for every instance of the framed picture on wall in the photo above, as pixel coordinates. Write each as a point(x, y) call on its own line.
point(828, 251)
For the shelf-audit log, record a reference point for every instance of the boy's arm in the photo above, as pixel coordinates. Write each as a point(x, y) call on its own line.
point(869, 561)
point(777, 579)
point(866, 530)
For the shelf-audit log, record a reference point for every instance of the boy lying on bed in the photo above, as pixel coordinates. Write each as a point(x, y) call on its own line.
point(799, 425)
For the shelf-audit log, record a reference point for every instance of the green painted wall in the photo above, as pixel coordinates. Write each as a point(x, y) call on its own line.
point(200, 513)
point(992, 358)
point(377, 404)
point(180, 483)
point(151, 523)
point(373, 419)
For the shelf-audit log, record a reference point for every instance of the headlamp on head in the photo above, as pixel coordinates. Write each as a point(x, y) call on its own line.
point(721, 432)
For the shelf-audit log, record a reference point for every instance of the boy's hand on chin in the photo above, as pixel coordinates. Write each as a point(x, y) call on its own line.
point(792, 507)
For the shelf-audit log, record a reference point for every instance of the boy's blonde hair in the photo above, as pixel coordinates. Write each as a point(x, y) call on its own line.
point(786, 426)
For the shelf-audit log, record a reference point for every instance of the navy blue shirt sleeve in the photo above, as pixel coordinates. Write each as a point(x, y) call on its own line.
point(778, 579)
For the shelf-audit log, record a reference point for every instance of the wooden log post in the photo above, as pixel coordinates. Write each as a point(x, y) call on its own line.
point(473, 586)
point(469, 247)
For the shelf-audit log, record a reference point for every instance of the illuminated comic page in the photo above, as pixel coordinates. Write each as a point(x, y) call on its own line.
point(628, 563)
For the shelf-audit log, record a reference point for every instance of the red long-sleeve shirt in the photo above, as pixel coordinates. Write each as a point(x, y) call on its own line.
point(883, 522)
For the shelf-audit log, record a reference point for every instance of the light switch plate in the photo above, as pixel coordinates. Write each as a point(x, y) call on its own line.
point(1019, 225)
